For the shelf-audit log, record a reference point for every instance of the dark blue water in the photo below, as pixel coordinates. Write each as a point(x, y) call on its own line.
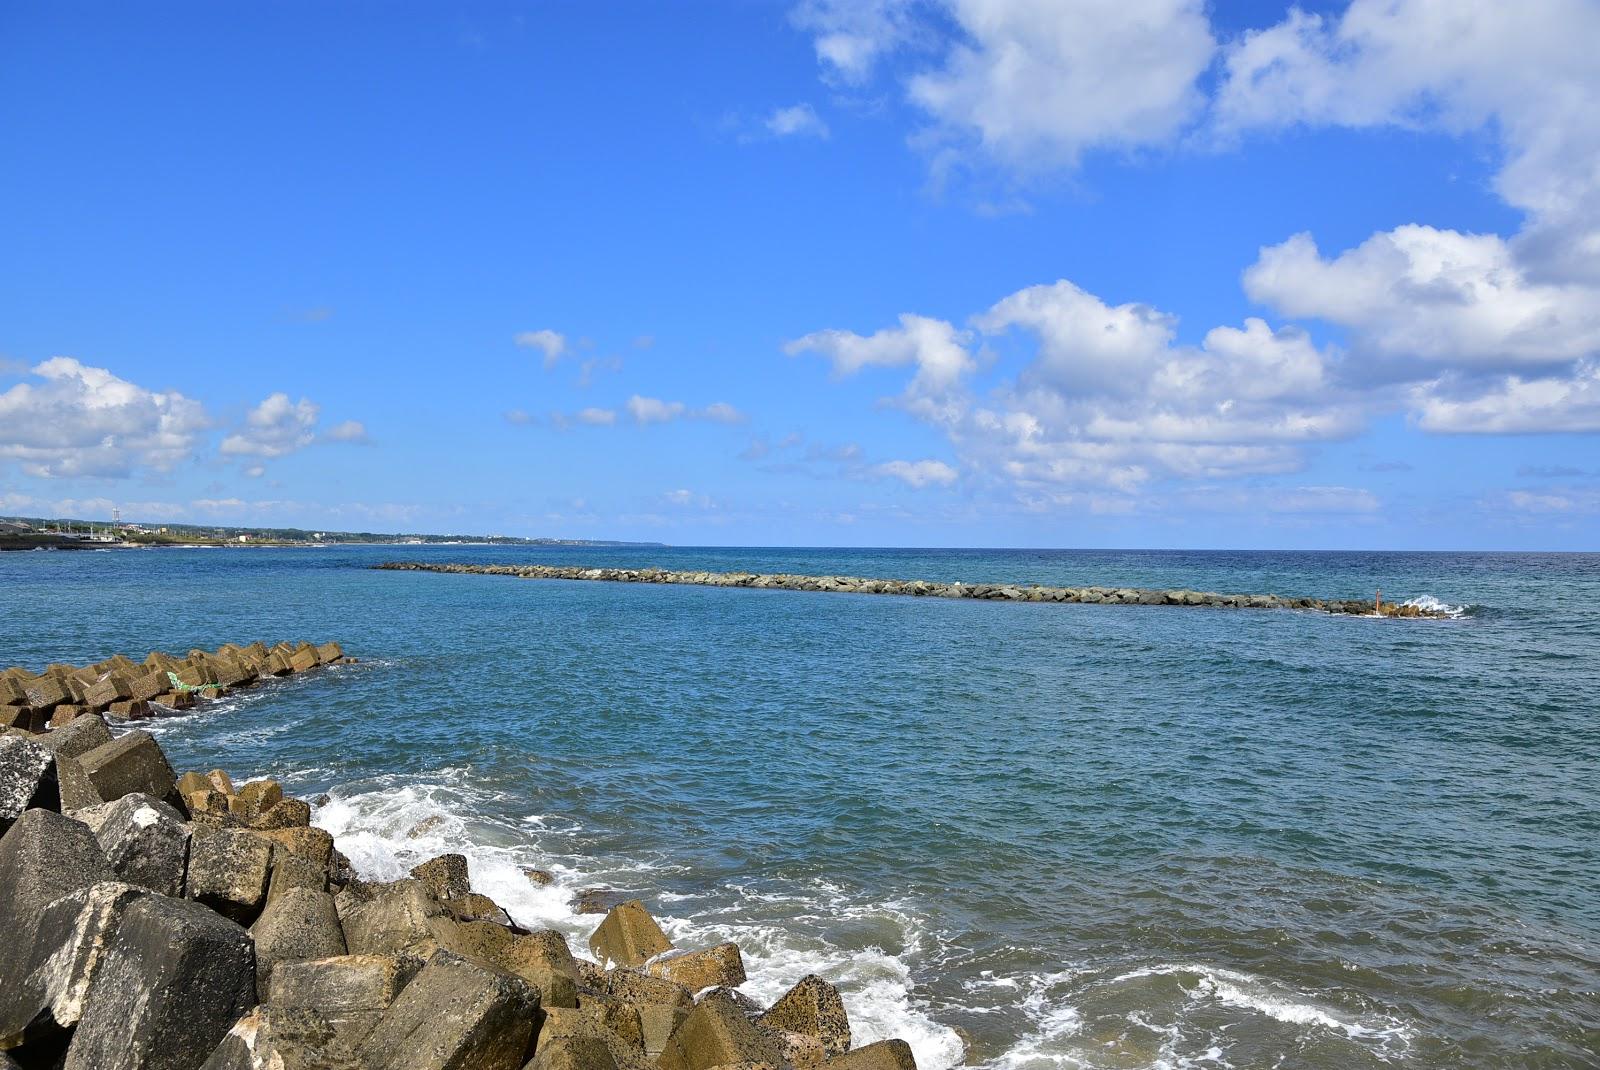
point(1022, 835)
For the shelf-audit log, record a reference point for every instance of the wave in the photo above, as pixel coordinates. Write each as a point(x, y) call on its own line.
point(1429, 604)
point(394, 823)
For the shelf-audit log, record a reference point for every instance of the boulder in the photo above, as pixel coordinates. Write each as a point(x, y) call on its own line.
point(72, 741)
point(383, 919)
point(695, 970)
point(628, 936)
point(283, 1038)
point(55, 964)
point(27, 779)
point(717, 1033)
point(228, 871)
point(301, 923)
point(145, 840)
point(445, 877)
point(883, 1055)
point(128, 764)
point(351, 991)
point(573, 1052)
point(175, 979)
point(456, 1015)
point(812, 1008)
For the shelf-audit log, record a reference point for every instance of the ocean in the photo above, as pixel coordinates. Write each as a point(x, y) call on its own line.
point(1021, 836)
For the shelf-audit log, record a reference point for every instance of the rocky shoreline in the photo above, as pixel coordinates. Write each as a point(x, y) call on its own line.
point(168, 922)
point(929, 589)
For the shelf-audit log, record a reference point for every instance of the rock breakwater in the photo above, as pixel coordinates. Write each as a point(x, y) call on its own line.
point(126, 690)
point(189, 923)
point(1006, 592)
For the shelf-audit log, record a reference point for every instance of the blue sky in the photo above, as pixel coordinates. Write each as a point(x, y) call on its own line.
point(876, 272)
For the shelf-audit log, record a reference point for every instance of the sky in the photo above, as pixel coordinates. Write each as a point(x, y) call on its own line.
point(1057, 273)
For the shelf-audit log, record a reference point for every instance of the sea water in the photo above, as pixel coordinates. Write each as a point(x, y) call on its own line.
point(1017, 835)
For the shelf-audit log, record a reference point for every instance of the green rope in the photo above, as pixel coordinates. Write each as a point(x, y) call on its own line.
point(179, 685)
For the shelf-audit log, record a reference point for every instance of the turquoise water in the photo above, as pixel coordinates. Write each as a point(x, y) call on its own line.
point(1021, 835)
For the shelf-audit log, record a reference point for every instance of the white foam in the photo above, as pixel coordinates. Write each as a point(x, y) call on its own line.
point(1429, 604)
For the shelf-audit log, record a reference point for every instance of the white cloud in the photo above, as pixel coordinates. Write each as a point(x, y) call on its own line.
point(919, 473)
point(1036, 84)
point(548, 342)
point(1523, 72)
point(348, 431)
point(722, 413)
point(653, 410)
point(852, 35)
point(1513, 404)
point(76, 420)
point(595, 417)
point(275, 428)
point(1108, 397)
point(1436, 295)
point(799, 120)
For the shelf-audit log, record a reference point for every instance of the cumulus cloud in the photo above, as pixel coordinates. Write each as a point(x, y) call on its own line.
point(653, 410)
point(75, 420)
point(348, 431)
point(919, 473)
point(850, 36)
point(1438, 295)
point(275, 428)
point(1108, 397)
point(1515, 405)
point(596, 417)
point(798, 120)
point(552, 344)
point(1523, 72)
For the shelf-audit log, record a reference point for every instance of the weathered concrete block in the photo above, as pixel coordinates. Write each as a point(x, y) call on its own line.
point(27, 779)
point(283, 1038)
point(609, 1014)
point(456, 1015)
point(145, 840)
point(112, 687)
point(128, 764)
point(62, 716)
point(131, 710)
point(351, 991)
point(641, 989)
point(812, 1008)
point(303, 659)
point(445, 877)
point(43, 856)
point(657, 1023)
point(55, 962)
point(46, 692)
point(573, 1052)
point(383, 919)
point(475, 907)
point(228, 871)
point(176, 977)
point(254, 799)
point(716, 1033)
point(883, 1055)
point(221, 781)
point(499, 948)
point(69, 742)
point(301, 923)
point(147, 685)
point(191, 782)
point(328, 653)
point(628, 936)
point(695, 970)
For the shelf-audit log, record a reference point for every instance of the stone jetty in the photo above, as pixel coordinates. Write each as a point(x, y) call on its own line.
point(126, 690)
point(152, 920)
point(1002, 592)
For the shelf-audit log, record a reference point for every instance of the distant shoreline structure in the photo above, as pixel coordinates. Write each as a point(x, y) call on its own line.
point(1421, 607)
